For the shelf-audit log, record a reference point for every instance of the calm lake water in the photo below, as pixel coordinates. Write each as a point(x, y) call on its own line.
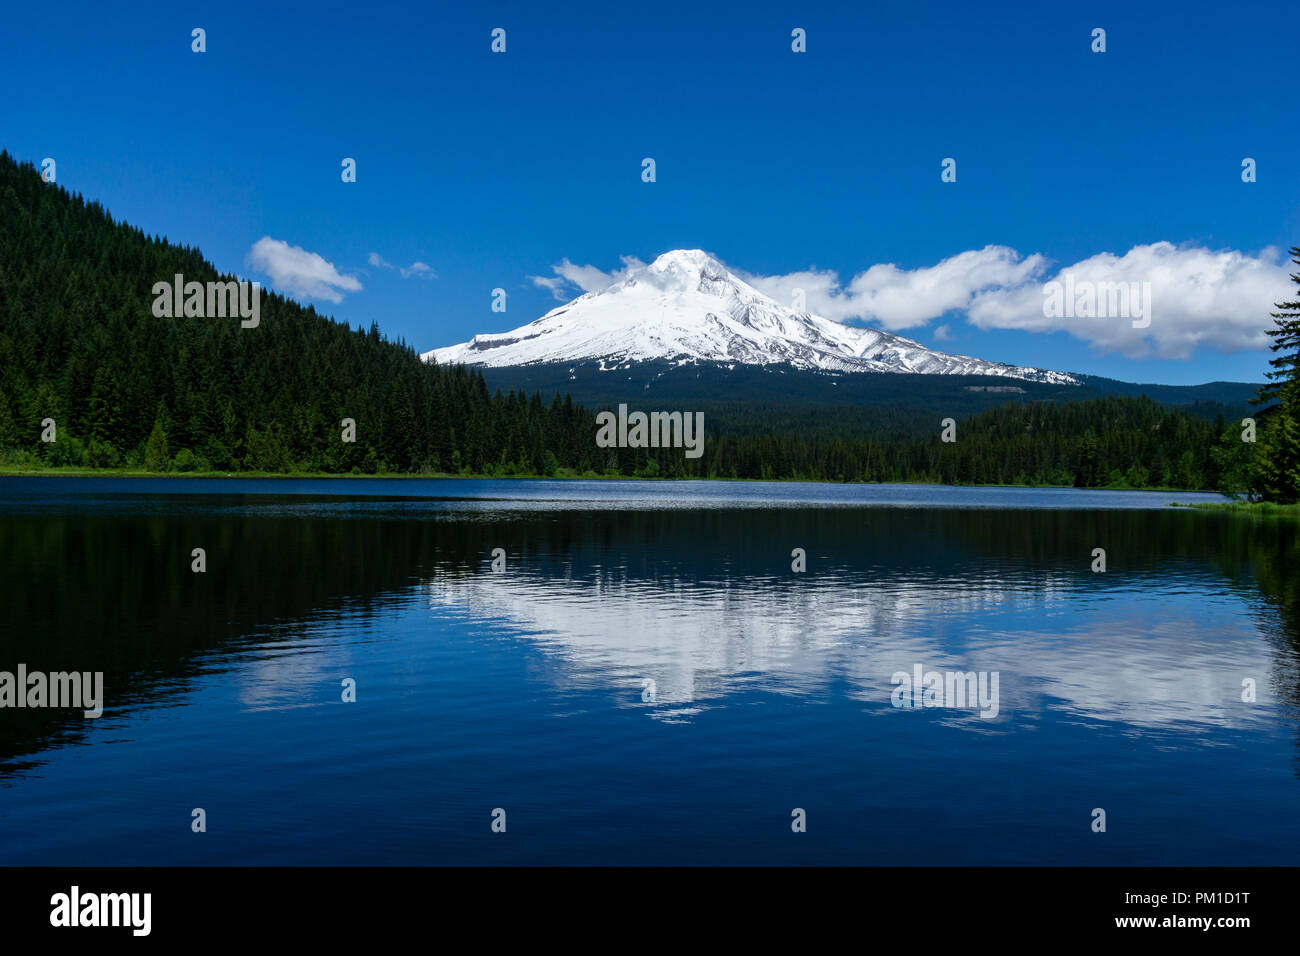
point(647, 680)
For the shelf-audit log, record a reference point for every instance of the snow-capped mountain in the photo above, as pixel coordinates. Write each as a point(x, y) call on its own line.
point(687, 307)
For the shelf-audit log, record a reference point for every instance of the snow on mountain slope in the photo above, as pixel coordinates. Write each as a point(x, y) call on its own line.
point(687, 307)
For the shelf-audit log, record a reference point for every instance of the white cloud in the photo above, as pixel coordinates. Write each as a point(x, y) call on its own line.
point(587, 278)
point(295, 270)
point(1200, 297)
point(895, 298)
point(419, 270)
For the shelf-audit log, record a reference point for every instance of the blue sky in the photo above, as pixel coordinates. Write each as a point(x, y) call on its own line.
point(491, 169)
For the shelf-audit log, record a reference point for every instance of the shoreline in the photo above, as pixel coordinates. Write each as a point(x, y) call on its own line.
point(109, 473)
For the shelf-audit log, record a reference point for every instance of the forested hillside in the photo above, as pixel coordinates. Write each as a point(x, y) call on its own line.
point(79, 345)
point(1120, 441)
point(781, 392)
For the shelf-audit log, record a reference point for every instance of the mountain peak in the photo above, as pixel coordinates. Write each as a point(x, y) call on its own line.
point(687, 307)
point(693, 259)
point(686, 271)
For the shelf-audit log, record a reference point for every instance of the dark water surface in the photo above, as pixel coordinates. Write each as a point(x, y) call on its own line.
point(647, 681)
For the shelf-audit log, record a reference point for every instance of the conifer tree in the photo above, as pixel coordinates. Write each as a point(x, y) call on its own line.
point(1278, 460)
point(156, 457)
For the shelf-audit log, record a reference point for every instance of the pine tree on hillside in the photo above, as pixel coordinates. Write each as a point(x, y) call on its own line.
point(1278, 461)
point(156, 457)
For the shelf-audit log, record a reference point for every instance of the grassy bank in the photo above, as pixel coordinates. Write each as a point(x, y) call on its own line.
point(1250, 509)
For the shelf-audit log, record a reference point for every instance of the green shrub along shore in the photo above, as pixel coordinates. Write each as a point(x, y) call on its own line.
point(1249, 509)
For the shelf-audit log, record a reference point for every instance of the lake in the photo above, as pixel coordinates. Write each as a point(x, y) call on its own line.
point(644, 678)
